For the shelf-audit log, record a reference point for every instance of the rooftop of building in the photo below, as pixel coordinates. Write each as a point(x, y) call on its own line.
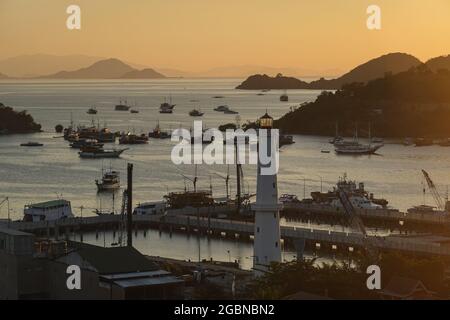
point(114, 260)
point(14, 232)
point(47, 204)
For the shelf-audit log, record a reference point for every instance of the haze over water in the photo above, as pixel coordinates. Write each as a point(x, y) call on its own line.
point(30, 175)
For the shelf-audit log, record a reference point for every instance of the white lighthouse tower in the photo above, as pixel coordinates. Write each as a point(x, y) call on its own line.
point(267, 246)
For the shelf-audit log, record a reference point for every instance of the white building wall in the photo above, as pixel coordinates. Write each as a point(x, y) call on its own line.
point(267, 247)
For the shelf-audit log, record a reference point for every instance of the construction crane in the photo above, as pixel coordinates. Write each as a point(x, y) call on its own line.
point(356, 223)
point(5, 200)
point(437, 198)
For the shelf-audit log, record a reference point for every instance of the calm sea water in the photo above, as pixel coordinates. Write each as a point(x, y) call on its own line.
point(28, 175)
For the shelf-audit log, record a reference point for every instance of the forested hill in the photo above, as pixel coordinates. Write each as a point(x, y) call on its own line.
point(415, 103)
point(391, 63)
point(16, 122)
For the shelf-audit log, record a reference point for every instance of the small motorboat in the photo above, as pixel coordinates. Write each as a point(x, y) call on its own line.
point(31, 144)
point(134, 111)
point(92, 111)
point(286, 140)
point(196, 113)
point(222, 108)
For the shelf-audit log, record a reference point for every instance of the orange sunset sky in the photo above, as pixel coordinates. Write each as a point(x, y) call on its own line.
point(200, 34)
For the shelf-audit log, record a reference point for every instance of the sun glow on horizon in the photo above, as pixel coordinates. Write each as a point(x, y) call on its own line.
point(323, 36)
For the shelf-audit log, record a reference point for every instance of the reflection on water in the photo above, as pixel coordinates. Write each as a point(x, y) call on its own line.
point(183, 246)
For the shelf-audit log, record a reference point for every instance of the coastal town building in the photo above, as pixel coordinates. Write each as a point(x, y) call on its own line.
point(32, 268)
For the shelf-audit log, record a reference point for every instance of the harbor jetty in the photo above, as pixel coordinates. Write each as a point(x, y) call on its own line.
point(242, 230)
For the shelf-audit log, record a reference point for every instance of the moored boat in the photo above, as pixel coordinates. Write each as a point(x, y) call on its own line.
point(122, 106)
point(196, 113)
point(78, 144)
point(150, 208)
point(98, 153)
point(222, 108)
point(32, 144)
point(48, 211)
point(286, 140)
point(284, 97)
point(358, 196)
point(167, 107)
point(95, 133)
point(359, 149)
point(131, 138)
point(92, 110)
point(110, 181)
point(157, 133)
point(423, 142)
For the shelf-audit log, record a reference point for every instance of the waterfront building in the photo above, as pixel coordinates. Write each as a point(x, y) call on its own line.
point(32, 268)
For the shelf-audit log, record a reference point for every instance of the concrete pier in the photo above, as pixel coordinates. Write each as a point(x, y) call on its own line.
point(244, 230)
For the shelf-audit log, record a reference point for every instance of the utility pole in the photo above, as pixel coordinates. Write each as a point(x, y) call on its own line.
point(129, 205)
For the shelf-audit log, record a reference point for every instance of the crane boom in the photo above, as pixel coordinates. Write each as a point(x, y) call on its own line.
point(7, 201)
point(356, 222)
point(3, 201)
point(433, 190)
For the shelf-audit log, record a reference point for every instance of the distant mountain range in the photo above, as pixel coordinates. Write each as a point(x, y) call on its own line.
point(243, 71)
point(392, 63)
point(76, 66)
point(37, 65)
point(107, 69)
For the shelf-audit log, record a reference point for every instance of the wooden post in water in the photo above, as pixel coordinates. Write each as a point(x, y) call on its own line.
point(130, 205)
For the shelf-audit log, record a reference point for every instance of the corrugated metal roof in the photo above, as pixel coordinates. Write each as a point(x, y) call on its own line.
point(14, 232)
point(108, 261)
point(46, 204)
point(132, 275)
point(142, 282)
